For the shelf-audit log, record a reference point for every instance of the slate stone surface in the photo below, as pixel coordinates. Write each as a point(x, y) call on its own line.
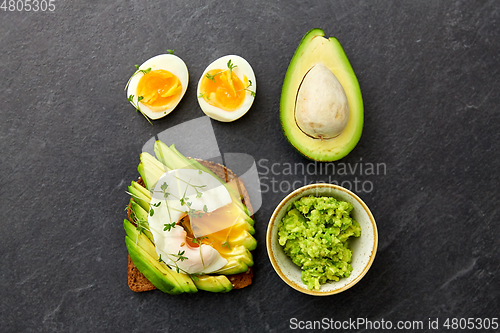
point(70, 145)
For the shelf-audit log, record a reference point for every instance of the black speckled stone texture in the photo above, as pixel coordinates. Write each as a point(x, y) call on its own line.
point(70, 145)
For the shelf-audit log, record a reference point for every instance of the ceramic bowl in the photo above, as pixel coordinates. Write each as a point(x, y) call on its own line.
point(363, 248)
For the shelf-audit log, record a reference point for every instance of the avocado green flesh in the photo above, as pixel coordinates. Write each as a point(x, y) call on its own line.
point(245, 239)
point(315, 49)
point(139, 213)
point(141, 243)
point(215, 284)
point(142, 250)
point(238, 262)
point(144, 264)
point(314, 233)
point(143, 254)
point(140, 194)
point(234, 266)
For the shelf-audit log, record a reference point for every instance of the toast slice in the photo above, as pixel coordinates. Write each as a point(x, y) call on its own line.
point(138, 282)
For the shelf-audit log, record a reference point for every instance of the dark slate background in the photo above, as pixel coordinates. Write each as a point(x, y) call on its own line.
point(70, 145)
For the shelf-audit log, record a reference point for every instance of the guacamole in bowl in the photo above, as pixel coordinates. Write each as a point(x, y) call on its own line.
point(314, 233)
point(330, 234)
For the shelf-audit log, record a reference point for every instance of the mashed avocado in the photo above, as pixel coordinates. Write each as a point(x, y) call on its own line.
point(314, 234)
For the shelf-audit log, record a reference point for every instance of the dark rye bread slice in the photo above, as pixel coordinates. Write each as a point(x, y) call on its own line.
point(139, 283)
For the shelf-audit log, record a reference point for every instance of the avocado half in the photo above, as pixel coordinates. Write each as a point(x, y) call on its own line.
point(316, 49)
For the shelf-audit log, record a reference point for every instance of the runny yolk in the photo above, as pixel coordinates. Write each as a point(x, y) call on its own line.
point(222, 91)
point(202, 227)
point(159, 89)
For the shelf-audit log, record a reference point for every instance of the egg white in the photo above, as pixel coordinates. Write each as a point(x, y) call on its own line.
point(243, 68)
point(168, 62)
point(170, 243)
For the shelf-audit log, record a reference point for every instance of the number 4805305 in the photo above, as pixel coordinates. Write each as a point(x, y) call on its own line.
point(28, 5)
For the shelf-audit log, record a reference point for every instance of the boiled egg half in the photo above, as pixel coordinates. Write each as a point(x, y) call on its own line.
point(158, 85)
point(200, 196)
point(226, 89)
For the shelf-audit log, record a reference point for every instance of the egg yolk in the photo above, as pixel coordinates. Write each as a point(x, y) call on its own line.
point(223, 89)
point(201, 228)
point(159, 89)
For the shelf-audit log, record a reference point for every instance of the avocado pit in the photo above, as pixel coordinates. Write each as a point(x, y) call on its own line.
point(321, 107)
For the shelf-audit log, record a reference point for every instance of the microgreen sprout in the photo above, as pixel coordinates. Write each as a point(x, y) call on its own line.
point(193, 212)
point(164, 187)
point(212, 77)
point(140, 224)
point(139, 98)
point(137, 108)
point(185, 200)
point(195, 187)
point(252, 93)
point(198, 241)
point(169, 226)
point(151, 210)
point(170, 51)
point(231, 67)
point(178, 257)
point(137, 70)
point(201, 95)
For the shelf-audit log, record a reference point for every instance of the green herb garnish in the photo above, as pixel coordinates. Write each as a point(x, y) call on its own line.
point(169, 226)
point(231, 66)
point(137, 70)
point(212, 77)
point(137, 108)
